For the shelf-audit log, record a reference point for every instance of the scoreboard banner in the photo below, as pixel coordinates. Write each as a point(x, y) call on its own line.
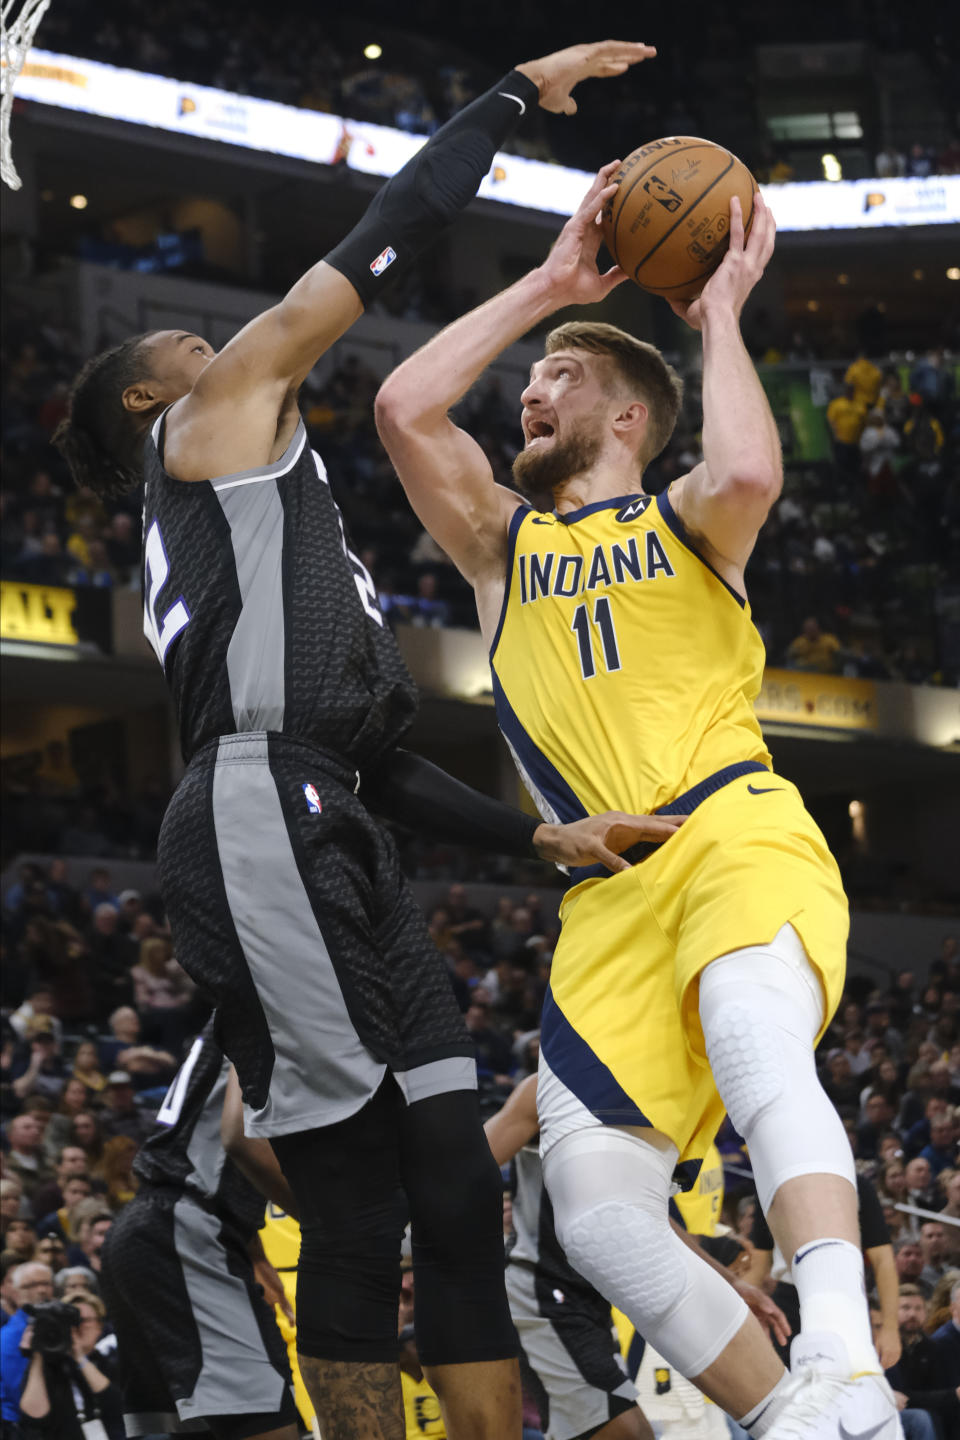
point(267, 126)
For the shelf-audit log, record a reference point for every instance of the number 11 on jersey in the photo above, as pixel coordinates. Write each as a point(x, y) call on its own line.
point(581, 627)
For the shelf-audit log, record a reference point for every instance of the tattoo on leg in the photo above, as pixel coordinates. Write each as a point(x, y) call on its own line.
point(355, 1401)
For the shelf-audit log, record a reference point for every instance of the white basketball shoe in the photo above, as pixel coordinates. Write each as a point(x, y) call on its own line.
point(824, 1401)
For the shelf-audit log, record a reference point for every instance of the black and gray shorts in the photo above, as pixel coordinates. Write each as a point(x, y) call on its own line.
point(288, 908)
point(198, 1348)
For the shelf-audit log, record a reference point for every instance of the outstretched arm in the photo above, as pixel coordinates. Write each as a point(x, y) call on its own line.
point(446, 475)
point(724, 501)
point(419, 795)
point(249, 379)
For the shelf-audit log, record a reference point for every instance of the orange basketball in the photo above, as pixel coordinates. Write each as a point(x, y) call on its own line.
point(668, 225)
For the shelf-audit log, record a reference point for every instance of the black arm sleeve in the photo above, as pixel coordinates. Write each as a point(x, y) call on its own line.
point(873, 1227)
point(760, 1236)
point(431, 189)
point(413, 792)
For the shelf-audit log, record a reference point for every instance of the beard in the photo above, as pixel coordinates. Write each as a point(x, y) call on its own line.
point(538, 473)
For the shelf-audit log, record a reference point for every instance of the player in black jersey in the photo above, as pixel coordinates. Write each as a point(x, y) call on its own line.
point(284, 895)
point(198, 1346)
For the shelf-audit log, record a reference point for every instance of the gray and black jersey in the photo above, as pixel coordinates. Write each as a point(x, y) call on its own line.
point(261, 615)
point(185, 1152)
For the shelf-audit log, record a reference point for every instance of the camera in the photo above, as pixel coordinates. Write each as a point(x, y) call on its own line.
point(53, 1326)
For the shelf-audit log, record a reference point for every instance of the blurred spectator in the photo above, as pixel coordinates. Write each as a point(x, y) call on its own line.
point(879, 442)
point(947, 1337)
point(920, 1378)
point(51, 1251)
point(933, 1243)
point(73, 1189)
point(494, 1054)
point(86, 1067)
point(86, 1133)
point(21, 1238)
point(25, 1157)
point(90, 1220)
point(121, 1115)
point(71, 1160)
point(845, 416)
point(890, 163)
point(116, 1170)
point(814, 649)
point(866, 380)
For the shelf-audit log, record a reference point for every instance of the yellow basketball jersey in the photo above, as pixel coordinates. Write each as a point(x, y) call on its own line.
point(624, 668)
point(700, 1207)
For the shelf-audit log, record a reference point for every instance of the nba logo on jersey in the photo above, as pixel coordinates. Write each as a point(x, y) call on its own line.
point(385, 258)
point(312, 799)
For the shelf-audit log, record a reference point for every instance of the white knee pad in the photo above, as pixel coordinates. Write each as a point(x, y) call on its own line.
point(761, 1009)
point(610, 1193)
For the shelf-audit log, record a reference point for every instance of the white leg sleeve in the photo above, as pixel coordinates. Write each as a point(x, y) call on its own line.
point(761, 1009)
point(610, 1193)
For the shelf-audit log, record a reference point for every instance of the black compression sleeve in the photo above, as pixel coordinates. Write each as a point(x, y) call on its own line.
point(431, 189)
point(413, 792)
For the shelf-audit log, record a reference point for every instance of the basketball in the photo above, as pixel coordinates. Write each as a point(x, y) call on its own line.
point(668, 225)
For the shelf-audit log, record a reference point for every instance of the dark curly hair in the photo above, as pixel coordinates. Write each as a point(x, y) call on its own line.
point(100, 440)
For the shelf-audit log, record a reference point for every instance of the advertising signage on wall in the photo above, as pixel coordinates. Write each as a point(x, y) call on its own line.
point(56, 618)
point(265, 125)
point(836, 702)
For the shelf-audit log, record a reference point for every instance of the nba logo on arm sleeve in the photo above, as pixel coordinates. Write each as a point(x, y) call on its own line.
point(385, 258)
point(312, 799)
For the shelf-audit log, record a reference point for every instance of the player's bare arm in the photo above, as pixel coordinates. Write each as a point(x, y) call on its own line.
point(724, 501)
point(244, 397)
point(445, 473)
point(253, 1156)
point(516, 1124)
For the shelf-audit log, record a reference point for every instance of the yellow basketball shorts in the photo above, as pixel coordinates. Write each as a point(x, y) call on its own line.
point(621, 1025)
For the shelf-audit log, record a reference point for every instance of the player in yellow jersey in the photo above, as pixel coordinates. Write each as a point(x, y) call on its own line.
point(625, 666)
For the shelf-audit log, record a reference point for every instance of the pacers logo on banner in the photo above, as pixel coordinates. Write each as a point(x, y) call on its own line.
point(312, 799)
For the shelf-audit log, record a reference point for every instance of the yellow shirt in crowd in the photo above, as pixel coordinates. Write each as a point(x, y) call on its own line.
point(819, 655)
point(866, 380)
point(846, 418)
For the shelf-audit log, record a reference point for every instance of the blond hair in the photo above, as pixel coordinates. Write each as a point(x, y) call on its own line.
point(639, 369)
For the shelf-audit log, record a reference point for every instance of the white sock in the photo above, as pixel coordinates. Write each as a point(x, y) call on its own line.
point(828, 1275)
point(758, 1420)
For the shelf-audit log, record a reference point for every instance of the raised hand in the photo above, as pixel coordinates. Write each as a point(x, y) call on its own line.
point(571, 266)
point(740, 268)
point(601, 838)
point(556, 75)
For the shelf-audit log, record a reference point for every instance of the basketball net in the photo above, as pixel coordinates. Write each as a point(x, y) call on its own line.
point(16, 38)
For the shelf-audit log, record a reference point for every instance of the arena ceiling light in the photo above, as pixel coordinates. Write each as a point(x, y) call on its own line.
point(954, 272)
point(79, 202)
point(373, 51)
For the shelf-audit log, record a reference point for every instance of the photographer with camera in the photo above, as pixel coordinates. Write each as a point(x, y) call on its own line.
point(32, 1284)
point(66, 1396)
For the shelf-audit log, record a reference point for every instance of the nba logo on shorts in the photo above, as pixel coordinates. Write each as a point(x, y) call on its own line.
point(385, 258)
point(312, 799)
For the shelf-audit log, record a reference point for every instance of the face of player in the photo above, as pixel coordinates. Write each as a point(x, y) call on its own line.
point(567, 414)
point(176, 359)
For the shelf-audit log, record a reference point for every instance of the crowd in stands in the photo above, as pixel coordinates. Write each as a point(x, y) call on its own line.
point(315, 61)
point(90, 1043)
point(855, 571)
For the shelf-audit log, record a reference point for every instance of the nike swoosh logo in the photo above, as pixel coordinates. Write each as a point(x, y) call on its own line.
point(861, 1434)
point(763, 789)
point(507, 96)
point(542, 522)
